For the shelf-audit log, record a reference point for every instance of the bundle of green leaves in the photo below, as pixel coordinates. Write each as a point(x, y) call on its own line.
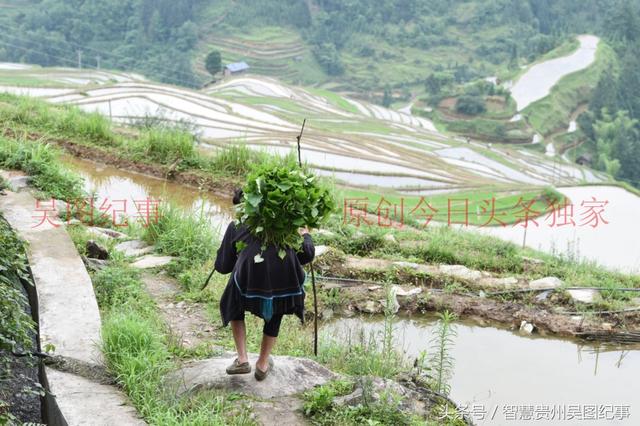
point(279, 199)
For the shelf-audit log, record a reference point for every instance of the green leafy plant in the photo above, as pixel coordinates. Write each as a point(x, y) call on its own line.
point(16, 326)
point(278, 199)
point(441, 345)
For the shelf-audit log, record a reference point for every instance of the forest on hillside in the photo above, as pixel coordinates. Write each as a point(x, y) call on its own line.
point(158, 37)
point(154, 37)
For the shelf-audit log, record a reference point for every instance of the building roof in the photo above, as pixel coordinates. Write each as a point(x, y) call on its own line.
point(237, 67)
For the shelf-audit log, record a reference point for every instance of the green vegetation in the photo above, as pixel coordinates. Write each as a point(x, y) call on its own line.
point(364, 45)
point(335, 99)
point(490, 207)
point(319, 407)
point(138, 354)
point(281, 197)
point(447, 245)
point(153, 143)
point(441, 361)
point(183, 234)
point(611, 127)
point(16, 326)
point(213, 62)
point(41, 162)
point(149, 36)
point(470, 105)
point(554, 111)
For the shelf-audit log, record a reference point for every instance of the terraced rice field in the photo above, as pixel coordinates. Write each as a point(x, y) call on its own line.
point(272, 51)
point(357, 142)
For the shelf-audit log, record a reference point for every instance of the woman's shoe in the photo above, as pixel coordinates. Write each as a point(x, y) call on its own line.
point(261, 375)
point(239, 368)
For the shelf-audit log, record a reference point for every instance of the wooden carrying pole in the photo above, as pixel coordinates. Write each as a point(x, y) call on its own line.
point(313, 275)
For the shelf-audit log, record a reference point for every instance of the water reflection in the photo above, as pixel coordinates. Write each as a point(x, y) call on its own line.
point(112, 184)
point(496, 368)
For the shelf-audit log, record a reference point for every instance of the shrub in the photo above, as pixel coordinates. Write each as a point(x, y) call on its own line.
point(470, 105)
point(16, 326)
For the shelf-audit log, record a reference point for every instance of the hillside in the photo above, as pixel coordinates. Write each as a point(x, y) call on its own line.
point(364, 46)
point(439, 60)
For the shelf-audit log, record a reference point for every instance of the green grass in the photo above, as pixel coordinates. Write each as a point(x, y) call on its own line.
point(60, 120)
point(237, 159)
point(451, 246)
point(42, 163)
point(188, 235)
point(138, 354)
point(163, 144)
point(554, 111)
point(321, 410)
point(19, 80)
point(16, 326)
point(334, 99)
point(506, 207)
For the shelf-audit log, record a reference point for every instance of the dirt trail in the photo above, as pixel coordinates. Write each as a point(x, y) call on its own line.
point(187, 321)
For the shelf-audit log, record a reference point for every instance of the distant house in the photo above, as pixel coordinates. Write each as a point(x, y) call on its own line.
point(584, 160)
point(235, 68)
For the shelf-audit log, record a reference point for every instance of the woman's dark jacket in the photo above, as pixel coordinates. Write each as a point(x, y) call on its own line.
point(271, 287)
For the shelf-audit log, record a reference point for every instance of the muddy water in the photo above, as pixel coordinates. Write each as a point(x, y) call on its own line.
point(112, 184)
point(496, 370)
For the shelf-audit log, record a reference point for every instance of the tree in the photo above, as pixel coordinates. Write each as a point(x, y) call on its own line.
point(328, 56)
point(618, 145)
point(387, 98)
point(437, 81)
point(213, 63)
point(470, 105)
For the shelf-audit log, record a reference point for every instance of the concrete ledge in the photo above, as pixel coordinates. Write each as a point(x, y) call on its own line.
point(68, 318)
point(78, 401)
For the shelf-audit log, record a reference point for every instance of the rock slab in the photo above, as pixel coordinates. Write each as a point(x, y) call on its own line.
point(150, 261)
point(134, 248)
point(545, 283)
point(290, 376)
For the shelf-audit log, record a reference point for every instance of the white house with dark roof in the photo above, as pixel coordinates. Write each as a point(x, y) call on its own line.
point(235, 68)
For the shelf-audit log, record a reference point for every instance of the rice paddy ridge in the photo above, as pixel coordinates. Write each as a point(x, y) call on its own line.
point(359, 141)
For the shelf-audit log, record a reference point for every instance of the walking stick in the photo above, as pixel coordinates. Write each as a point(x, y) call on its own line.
point(206, 283)
point(313, 275)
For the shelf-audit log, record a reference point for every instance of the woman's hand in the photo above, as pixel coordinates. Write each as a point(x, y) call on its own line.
point(303, 231)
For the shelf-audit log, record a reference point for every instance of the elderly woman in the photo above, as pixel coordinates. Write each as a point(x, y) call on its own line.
point(268, 289)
